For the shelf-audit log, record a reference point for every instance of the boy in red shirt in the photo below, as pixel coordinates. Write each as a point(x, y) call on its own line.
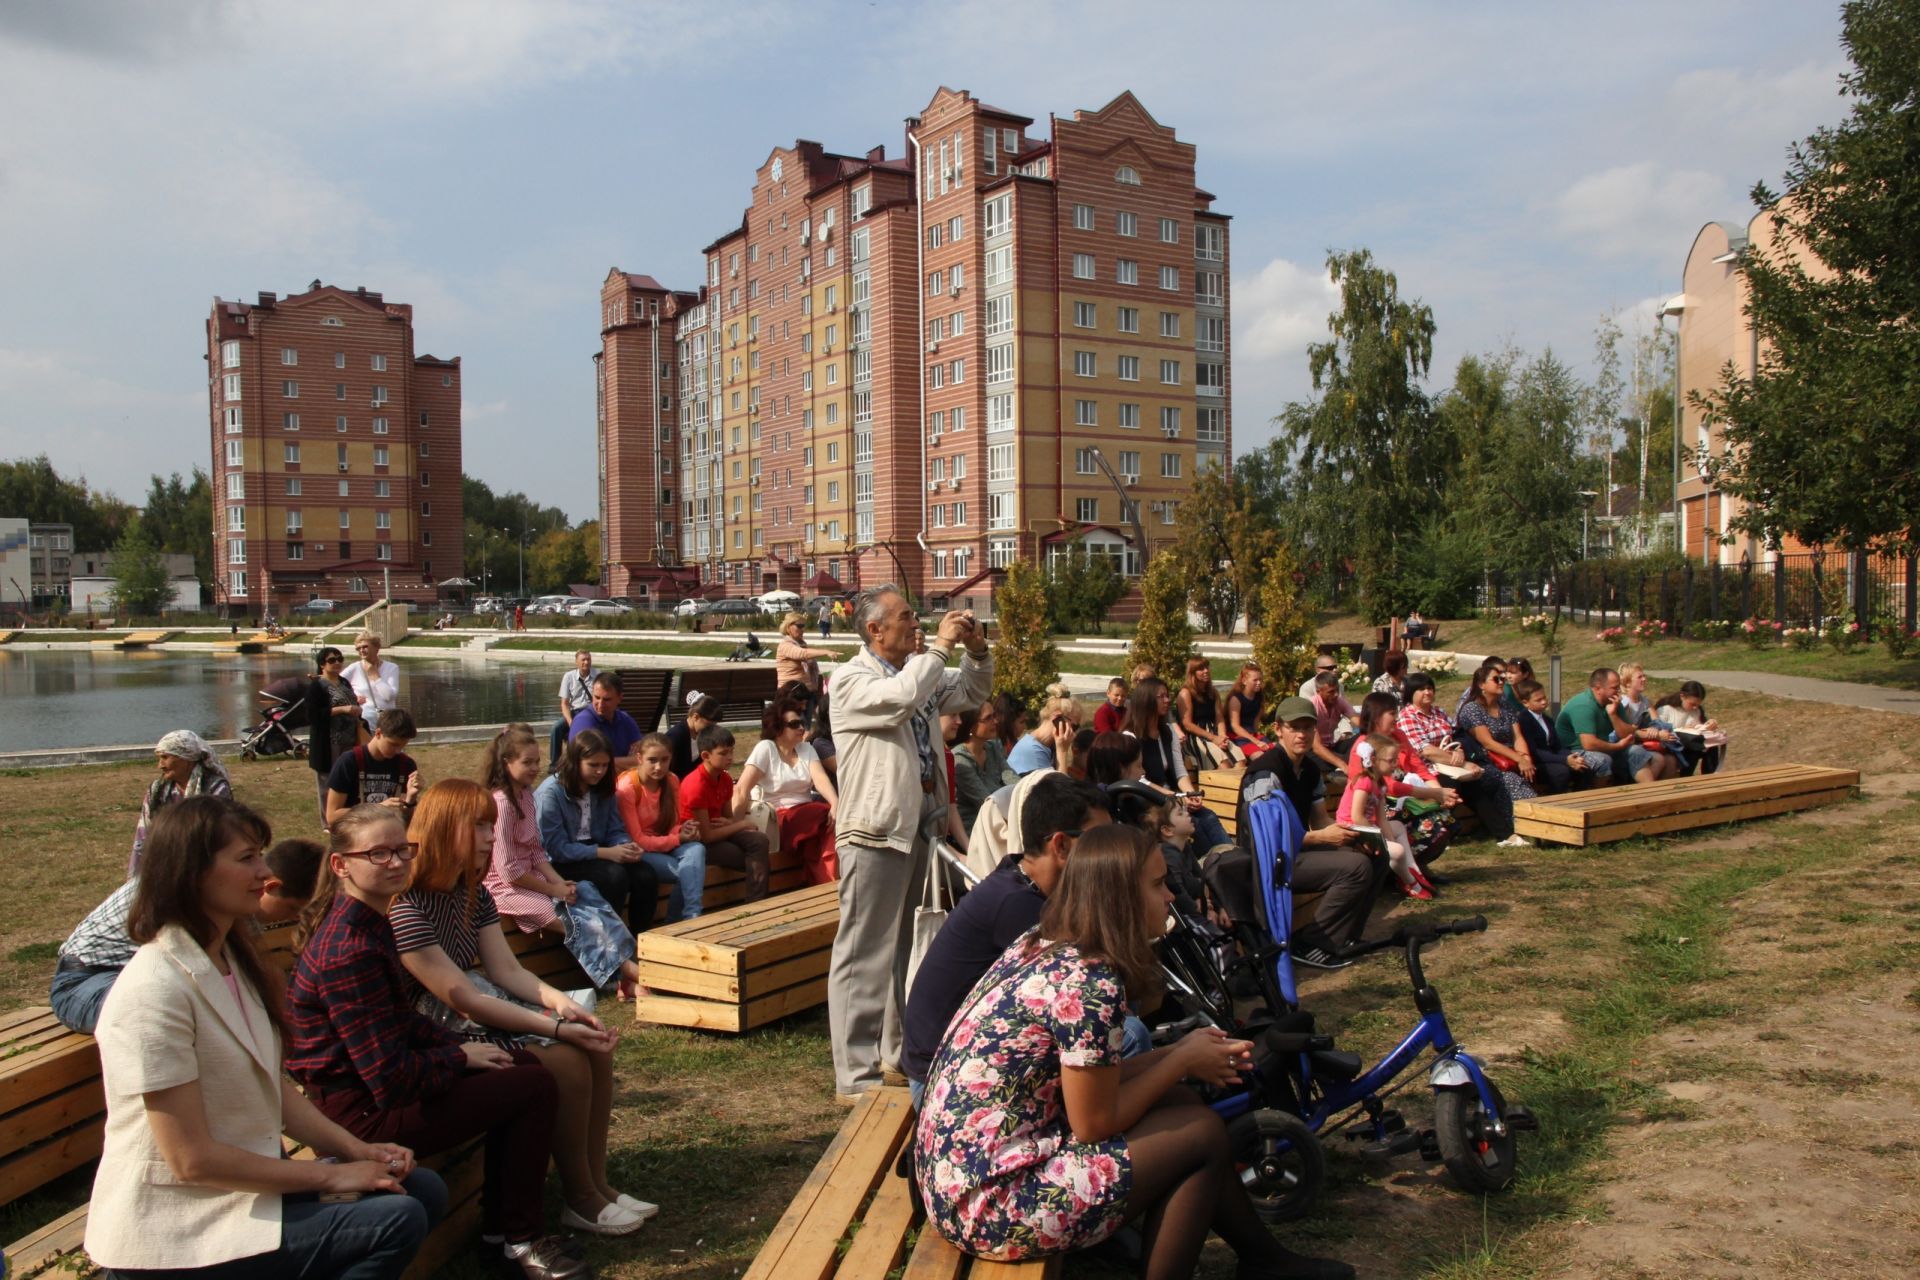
point(706, 796)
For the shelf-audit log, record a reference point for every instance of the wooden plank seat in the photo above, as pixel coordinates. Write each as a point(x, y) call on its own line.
point(140, 639)
point(743, 689)
point(854, 1218)
point(1679, 804)
point(740, 967)
point(643, 695)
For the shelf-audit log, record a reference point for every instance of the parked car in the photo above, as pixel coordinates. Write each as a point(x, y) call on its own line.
point(320, 604)
point(777, 601)
point(594, 608)
point(735, 609)
point(551, 604)
point(691, 608)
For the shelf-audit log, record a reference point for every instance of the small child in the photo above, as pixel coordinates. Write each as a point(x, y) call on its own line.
point(1111, 715)
point(1702, 744)
point(706, 795)
point(1363, 807)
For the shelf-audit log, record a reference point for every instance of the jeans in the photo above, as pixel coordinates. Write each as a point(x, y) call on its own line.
point(78, 992)
point(1627, 764)
point(687, 865)
point(562, 730)
point(1138, 1040)
point(1207, 831)
point(596, 937)
point(372, 1238)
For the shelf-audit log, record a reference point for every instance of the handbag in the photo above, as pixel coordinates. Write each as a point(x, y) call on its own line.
point(929, 915)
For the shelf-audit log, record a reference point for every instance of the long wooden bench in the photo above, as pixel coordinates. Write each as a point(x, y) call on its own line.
point(743, 689)
point(643, 695)
point(1679, 804)
point(51, 1076)
point(741, 967)
point(854, 1218)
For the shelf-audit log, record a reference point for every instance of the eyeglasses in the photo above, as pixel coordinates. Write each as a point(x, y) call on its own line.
point(384, 855)
point(794, 724)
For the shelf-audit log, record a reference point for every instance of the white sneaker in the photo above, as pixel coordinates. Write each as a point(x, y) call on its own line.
point(1516, 841)
point(614, 1220)
point(640, 1207)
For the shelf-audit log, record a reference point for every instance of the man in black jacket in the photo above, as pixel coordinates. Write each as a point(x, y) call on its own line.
point(1557, 769)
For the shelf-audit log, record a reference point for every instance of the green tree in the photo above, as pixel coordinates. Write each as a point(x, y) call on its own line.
point(141, 585)
point(31, 489)
point(1822, 443)
point(179, 517)
point(1081, 588)
point(1371, 459)
point(1283, 640)
point(1024, 659)
point(556, 559)
point(1220, 544)
point(1164, 636)
point(1514, 500)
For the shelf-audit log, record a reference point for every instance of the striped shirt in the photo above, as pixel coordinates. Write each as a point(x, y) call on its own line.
point(424, 918)
point(100, 941)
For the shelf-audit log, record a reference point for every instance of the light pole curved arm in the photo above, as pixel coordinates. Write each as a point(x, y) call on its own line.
point(1129, 507)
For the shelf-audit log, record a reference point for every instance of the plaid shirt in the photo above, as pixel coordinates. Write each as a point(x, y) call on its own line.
point(100, 941)
point(350, 1019)
point(1424, 728)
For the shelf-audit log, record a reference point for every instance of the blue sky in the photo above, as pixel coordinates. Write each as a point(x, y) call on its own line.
point(1523, 168)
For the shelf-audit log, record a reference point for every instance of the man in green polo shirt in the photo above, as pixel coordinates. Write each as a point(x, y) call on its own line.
point(1590, 722)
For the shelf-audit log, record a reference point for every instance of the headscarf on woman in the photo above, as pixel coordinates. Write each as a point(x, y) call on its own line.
point(207, 779)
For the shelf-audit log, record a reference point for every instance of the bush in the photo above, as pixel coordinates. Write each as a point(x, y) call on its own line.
point(1081, 588)
point(1613, 637)
point(1900, 643)
point(1801, 638)
point(1024, 659)
point(1842, 633)
point(1711, 629)
point(1759, 633)
point(1283, 637)
point(1165, 637)
point(1647, 630)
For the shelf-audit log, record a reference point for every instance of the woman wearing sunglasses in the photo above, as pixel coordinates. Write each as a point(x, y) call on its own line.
point(784, 766)
point(386, 1073)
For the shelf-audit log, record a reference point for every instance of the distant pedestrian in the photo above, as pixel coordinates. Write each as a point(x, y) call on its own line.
point(519, 617)
point(826, 619)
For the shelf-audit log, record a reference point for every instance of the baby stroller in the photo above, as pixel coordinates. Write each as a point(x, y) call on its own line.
point(284, 711)
point(749, 650)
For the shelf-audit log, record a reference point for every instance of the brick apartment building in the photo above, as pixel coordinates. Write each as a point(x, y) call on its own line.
point(336, 452)
point(922, 351)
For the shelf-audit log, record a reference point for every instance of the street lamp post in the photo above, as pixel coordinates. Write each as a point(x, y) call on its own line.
point(523, 560)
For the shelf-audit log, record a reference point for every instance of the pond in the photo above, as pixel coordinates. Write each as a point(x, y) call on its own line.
point(73, 698)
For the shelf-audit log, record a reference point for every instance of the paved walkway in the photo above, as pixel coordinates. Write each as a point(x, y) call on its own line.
point(1874, 697)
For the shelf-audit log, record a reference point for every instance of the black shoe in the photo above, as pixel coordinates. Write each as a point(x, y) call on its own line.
point(1315, 955)
point(549, 1258)
point(1435, 879)
point(1295, 1266)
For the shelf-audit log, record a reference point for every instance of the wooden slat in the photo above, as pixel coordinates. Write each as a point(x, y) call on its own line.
point(32, 1169)
point(933, 1259)
point(32, 1015)
point(1717, 817)
point(1038, 1269)
point(36, 1252)
point(752, 984)
point(696, 1015)
point(39, 1071)
point(805, 1241)
point(1678, 804)
point(49, 1115)
point(881, 1240)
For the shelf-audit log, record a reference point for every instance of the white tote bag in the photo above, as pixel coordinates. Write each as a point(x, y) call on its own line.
point(928, 916)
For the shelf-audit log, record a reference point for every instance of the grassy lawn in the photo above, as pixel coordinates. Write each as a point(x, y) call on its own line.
point(1701, 1024)
point(598, 644)
point(430, 640)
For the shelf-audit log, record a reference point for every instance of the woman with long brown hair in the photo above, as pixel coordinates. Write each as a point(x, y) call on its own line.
point(1033, 1139)
point(1198, 709)
point(471, 983)
point(191, 1177)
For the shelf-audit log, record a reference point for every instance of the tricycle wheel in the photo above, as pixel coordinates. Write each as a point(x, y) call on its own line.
point(1280, 1162)
point(1478, 1160)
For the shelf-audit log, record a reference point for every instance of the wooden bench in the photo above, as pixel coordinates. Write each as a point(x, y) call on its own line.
point(50, 1076)
point(643, 695)
point(741, 967)
point(1679, 804)
point(853, 1218)
point(743, 689)
point(140, 639)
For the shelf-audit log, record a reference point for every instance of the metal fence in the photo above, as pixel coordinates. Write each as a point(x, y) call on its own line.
point(1806, 589)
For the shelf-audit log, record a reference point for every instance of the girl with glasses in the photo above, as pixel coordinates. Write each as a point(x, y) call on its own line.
point(789, 776)
point(387, 1073)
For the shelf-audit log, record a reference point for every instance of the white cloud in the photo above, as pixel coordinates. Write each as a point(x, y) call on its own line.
point(1282, 308)
point(1642, 208)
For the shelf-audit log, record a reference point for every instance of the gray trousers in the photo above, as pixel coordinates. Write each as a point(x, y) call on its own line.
point(867, 979)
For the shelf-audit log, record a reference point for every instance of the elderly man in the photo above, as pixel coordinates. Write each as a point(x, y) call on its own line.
point(603, 713)
point(576, 695)
point(886, 700)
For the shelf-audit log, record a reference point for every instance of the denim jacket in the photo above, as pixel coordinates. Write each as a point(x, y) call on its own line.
point(559, 815)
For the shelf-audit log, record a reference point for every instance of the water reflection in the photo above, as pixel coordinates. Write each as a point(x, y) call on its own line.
point(74, 698)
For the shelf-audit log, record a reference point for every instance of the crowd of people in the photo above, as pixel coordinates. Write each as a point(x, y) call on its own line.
point(1047, 1118)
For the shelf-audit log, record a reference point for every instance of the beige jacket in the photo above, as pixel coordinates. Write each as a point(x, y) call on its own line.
point(170, 1019)
point(879, 766)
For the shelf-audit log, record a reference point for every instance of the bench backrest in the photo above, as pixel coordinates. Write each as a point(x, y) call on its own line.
point(742, 691)
point(643, 695)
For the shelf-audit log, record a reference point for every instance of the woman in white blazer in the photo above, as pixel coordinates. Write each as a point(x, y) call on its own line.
point(192, 1179)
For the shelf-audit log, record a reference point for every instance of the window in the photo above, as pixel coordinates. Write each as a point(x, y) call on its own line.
point(1170, 466)
point(1210, 377)
point(379, 455)
point(1169, 324)
point(383, 551)
point(833, 491)
point(382, 488)
point(1129, 368)
point(937, 469)
point(959, 519)
point(936, 425)
point(1169, 231)
point(936, 377)
point(1126, 224)
point(1000, 462)
point(379, 395)
point(292, 454)
point(935, 234)
point(340, 424)
point(1129, 416)
point(1000, 363)
point(1083, 217)
point(333, 322)
point(833, 449)
point(230, 355)
point(999, 315)
point(1127, 176)
point(1083, 266)
point(1211, 426)
point(236, 519)
point(956, 228)
point(1086, 413)
point(339, 391)
point(339, 359)
point(236, 551)
point(1086, 510)
point(1085, 315)
point(1129, 319)
point(1170, 279)
point(288, 356)
point(231, 385)
point(1000, 511)
point(236, 486)
point(340, 455)
point(862, 198)
point(232, 418)
point(1000, 266)
point(379, 364)
point(296, 551)
point(1130, 463)
point(1000, 412)
point(293, 486)
point(1126, 271)
point(290, 390)
point(380, 426)
point(1083, 463)
point(237, 582)
point(1086, 364)
point(290, 422)
point(958, 373)
point(957, 323)
point(1210, 333)
point(1209, 288)
point(997, 215)
point(1169, 373)
point(382, 520)
point(1170, 421)
point(959, 277)
point(1208, 242)
point(343, 488)
point(1000, 551)
point(936, 283)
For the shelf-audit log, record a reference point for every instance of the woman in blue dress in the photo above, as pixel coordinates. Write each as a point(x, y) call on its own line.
point(1035, 1138)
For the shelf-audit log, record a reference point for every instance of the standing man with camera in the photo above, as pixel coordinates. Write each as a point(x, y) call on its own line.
point(890, 779)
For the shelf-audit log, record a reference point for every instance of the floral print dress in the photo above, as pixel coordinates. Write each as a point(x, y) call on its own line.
point(999, 1168)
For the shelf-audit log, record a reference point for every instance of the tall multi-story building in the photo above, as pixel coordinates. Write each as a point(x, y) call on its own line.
point(913, 368)
point(336, 452)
